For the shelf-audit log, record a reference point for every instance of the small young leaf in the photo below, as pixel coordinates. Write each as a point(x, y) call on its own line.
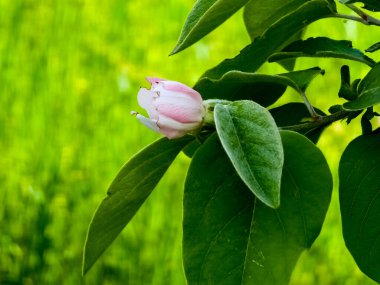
point(322, 47)
point(366, 99)
point(359, 195)
point(217, 216)
point(371, 80)
point(278, 237)
point(373, 48)
point(369, 91)
point(347, 90)
point(371, 5)
point(255, 54)
point(205, 16)
point(251, 139)
point(294, 114)
point(133, 184)
point(302, 78)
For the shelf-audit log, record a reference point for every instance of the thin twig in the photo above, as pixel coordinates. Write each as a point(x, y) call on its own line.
point(363, 18)
point(309, 107)
point(319, 122)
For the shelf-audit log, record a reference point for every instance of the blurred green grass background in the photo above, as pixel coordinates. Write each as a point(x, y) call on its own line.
point(69, 75)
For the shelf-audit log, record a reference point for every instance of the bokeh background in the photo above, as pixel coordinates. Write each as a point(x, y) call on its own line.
point(69, 74)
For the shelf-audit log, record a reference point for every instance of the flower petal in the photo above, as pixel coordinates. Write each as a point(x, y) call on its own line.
point(150, 124)
point(179, 87)
point(154, 80)
point(183, 110)
point(146, 98)
point(173, 129)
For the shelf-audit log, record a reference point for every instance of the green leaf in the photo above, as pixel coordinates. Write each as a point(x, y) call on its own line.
point(278, 237)
point(255, 54)
point(250, 137)
point(218, 217)
point(302, 78)
point(372, 5)
point(322, 47)
point(261, 88)
point(371, 80)
point(133, 184)
point(347, 90)
point(259, 15)
point(359, 176)
point(235, 85)
point(366, 99)
point(373, 48)
point(369, 91)
point(205, 16)
point(294, 114)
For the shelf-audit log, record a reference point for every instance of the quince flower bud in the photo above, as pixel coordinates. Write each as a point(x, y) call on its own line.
point(174, 109)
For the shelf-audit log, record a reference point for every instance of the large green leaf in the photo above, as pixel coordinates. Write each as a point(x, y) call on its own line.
point(369, 91)
point(218, 217)
point(294, 114)
point(205, 16)
point(261, 88)
point(359, 194)
point(322, 47)
point(133, 184)
point(372, 5)
point(259, 15)
point(255, 54)
point(251, 139)
point(278, 237)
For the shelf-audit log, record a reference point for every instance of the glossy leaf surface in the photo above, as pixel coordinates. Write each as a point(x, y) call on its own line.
point(133, 184)
point(359, 195)
point(205, 16)
point(322, 47)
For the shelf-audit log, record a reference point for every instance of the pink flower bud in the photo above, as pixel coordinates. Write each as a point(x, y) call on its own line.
point(174, 109)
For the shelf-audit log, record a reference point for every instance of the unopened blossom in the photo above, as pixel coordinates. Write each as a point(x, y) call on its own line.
point(174, 109)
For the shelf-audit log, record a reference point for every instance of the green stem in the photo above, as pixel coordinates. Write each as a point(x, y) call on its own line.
point(320, 121)
point(309, 107)
point(363, 18)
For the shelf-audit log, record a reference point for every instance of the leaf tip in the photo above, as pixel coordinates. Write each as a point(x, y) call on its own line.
point(176, 49)
point(274, 203)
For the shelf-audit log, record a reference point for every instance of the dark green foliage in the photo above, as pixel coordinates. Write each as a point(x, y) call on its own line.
point(261, 88)
point(282, 234)
point(218, 211)
point(322, 47)
point(372, 5)
point(205, 16)
point(295, 114)
point(229, 238)
point(129, 190)
point(368, 89)
point(255, 54)
point(347, 90)
point(373, 48)
point(359, 197)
